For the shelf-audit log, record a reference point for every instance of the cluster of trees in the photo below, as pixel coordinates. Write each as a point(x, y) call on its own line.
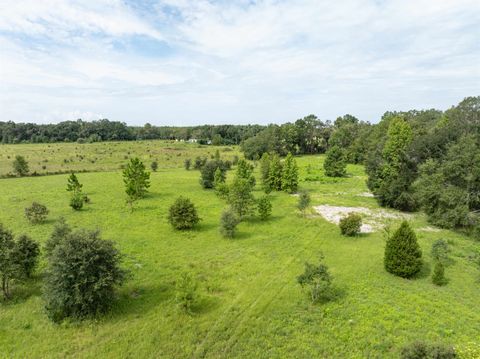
point(277, 175)
point(430, 160)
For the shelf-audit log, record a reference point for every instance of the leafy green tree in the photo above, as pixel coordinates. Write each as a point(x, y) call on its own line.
point(438, 276)
point(187, 163)
point(83, 271)
point(61, 230)
point(290, 174)
point(318, 281)
point(275, 173)
point(240, 197)
point(264, 207)
point(218, 177)
point(245, 171)
point(154, 166)
point(36, 213)
point(25, 255)
point(207, 173)
point(303, 201)
point(265, 172)
point(403, 256)
point(136, 179)
point(183, 214)
point(440, 251)
point(186, 293)
point(8, 267)
point(335, 164)
point(351, 224)
point(20, 166)
point(228, 223)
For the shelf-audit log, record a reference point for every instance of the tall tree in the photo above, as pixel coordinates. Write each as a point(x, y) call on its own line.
point(275, 173)
point(335, 164)
point(290, 174)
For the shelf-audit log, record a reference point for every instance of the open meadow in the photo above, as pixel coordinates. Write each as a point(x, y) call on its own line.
point(251, 305)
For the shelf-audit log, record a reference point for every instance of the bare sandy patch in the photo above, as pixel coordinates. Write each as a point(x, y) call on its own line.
point(372, 219)
point(430, 229)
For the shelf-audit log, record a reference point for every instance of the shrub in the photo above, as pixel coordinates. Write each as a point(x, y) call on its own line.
point(61, 230)
point(228, 223)
point(264, 206)
point(303, 201)
point(318, 280)
point(183, 214)
point(403, 256)
point(421, 350)
point(187, 163)
point(438, 276)
point(440, 251)
point(26, 254)
point(207, 173)
point(20, 166)
point(335, 164)
point(350, 225)
point(76, 200)
point(8, 269)
point(199, 163)
point(186, 291)
point(154, 166)
point(83, 271)
point(36, 213)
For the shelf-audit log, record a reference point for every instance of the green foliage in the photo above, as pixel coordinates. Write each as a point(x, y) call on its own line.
point(154, 166)
point(245, 171)
point(183, 214)
point(76, 200)
point(350, 225)
point(290, 174)
point(275, 173)
point(207, 173)
point(83, 271)
point(77, 197)
point(264, 207)
point(438, 276)
point(317, 280)
point(335, 164)
point(440, 251)
point(36, 213)
point(25, 255)
point(240, 197)
point(403, 256)
point(136, 180)
point(422, 350)
point(218, 177)
point(265, 172)
point(61, 230)
point(186, 293)
point(303, 201)
point(8, 266)
point(187, 163)
point(20, 166)
point(199, 162)
point(228, 223)
point(73, 184)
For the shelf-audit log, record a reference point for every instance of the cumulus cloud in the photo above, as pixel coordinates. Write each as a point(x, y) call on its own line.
point(197, 61)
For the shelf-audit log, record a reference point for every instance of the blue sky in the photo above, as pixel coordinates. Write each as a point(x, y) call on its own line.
point(185, 62)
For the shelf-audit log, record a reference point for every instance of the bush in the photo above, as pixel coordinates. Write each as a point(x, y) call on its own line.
point(438, 276)
point(264, 207)
point(61, 231)
point(186, 291)
point(154, 166)
point(82, 273)
point(26, 254)
point(183, 214)
point(403, 256)
point(421, 350)
point(350, 225)
point(199, 163)
point(228, 223)
point(318, 280)
point(207, 173)
point(76, 200)
point(440, 251)
point(8, 270)
point(303, 201)
point(36, 213)
point(187, 163)
point(20, 166)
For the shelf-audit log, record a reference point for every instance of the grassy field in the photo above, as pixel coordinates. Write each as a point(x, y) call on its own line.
point(251, 305)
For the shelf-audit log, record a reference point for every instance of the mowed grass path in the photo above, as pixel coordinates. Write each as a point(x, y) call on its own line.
point(251, 305)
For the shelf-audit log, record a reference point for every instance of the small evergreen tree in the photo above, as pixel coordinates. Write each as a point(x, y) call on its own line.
point(25, 255)
point(350, 225)
point(187, 164)
point(218, 177)
point(75, 187)
point(403, 256)
point(8, 267)
point(136, 180)
point(245, 171)
point(303, 201)
point(186, 291)
point(36, 213)
point(264, 206)
point(83, 271)
point(275, 173)
point(76, 200)
point(318, 280)
point(438, 276)
point(154, 166)
point(183, 214)
point(440, 251)
point(20, 166)
point(228, 223)
point(265, 172)
point(73, 183)
point(290, 174)
point(240, 197)
point(335, 164)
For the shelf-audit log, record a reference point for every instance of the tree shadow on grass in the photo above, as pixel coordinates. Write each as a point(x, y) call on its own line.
point(241, 235)
point(205, 304)
point(424, 271)
point(22, 291)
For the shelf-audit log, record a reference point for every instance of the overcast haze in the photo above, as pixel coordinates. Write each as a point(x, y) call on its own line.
point(194, 62)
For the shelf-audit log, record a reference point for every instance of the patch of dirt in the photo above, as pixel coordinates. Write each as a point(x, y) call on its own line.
point(372, 220)
point(366, 194)
point(429, 229)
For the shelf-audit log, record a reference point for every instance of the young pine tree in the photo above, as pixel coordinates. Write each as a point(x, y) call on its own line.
point(438, 276)
point(245, 171)
point(8, 267)
point(20, 166)
point(335, 164)
point(264, 207)
point(228, 223)
point(403, 256)
point(275, 173)
point(303, 201)
point(240, 197)
point(136, 179)
point(290, 174)
point(183, 214)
